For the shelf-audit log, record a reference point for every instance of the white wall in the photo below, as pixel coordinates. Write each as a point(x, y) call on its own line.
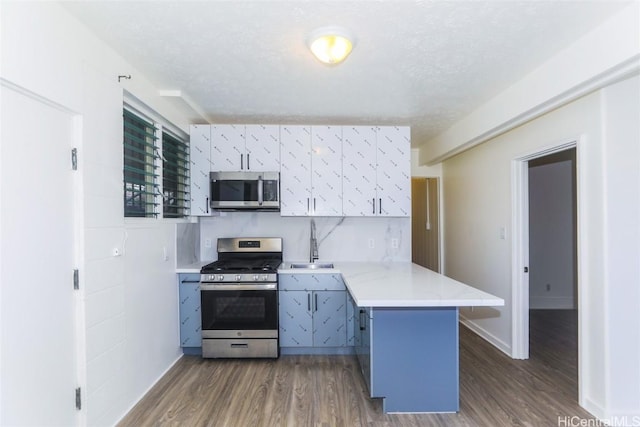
point(477, 203)
point(129, 334)
point(339, 239)
point(551, 236)
point(621, 249)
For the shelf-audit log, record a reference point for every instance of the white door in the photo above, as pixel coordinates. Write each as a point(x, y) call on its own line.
point(359, 170)
point(262, 143)
point(38, 373)
point(295, 172)
point(227, 148)
point(393, 171)
point(200, 149)
point(326, 170)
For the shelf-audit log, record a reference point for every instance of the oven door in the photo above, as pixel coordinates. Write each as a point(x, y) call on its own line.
point(239, 310)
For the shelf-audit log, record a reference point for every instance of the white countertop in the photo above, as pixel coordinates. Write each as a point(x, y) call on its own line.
point(392, 284)
point(192, 268)
point(404, 284)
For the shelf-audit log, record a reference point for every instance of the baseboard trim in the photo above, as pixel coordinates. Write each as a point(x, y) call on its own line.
point(149, 388)
point(486, 335)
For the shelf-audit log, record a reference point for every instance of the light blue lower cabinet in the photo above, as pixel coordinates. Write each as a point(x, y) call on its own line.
point(190, 318)
point(409, 357)
point(313, 318)
point(313, 314)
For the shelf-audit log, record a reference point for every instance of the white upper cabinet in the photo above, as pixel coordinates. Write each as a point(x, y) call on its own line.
point(311, 171)
point(295, 170)
point(376, 167)
point(199, 156)
point(326, 170)
point(393, 171)
point(262, 144)
point(227, 148)
point(245, 148)
point(359, 170)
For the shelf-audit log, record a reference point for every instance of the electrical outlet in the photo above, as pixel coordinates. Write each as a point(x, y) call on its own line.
point(207, 243)
point(394, 243)
point(371, 243)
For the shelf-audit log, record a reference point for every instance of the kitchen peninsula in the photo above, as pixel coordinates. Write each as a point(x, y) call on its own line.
point(406, 326)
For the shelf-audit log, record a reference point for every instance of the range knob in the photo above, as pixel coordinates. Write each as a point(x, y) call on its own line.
point(265, 277)
point(221, 277)
point(256, 277)
point(238, 277)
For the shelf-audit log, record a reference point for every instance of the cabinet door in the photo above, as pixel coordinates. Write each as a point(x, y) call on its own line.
point(295, 171)
point(296, 321)
point(227, 148)
point(326, 166)
point(199, 156)
point(262, 144)
point(359, 170)
point(351, 321)
point(364, 357)
point(190, 318)
point(393, 171)
point(329, 319)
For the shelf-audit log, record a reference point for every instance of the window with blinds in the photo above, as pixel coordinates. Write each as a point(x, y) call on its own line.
point(175, 176)
point(140, 167)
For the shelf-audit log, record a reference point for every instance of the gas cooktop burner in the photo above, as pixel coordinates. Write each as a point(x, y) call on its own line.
point(223, 266)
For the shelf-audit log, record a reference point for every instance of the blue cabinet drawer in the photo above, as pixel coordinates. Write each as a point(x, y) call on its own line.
point(311, 282)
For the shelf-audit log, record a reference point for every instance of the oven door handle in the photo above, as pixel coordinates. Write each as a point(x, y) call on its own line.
point(238, 287)
point(260, 190)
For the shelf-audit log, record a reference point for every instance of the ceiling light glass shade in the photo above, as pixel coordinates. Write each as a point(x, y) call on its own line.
point(330, 45)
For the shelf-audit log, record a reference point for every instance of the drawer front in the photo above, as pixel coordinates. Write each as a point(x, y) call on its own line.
point(239, 348)
point(311, 282)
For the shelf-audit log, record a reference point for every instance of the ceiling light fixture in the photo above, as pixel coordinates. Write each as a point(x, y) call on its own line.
point(331, 45)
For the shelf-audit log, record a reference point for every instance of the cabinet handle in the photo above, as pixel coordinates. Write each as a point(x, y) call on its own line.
point(308, 206)
point(314, 205)
point(190, 281)
point(362, 324)
point(380, 206)
point(248, 167)
point(373, 206)
point(207, 205)
point(242, 161)
point(308, 302)
point(315, 297)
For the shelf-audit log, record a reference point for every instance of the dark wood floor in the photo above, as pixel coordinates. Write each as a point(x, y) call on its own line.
point(495, 390)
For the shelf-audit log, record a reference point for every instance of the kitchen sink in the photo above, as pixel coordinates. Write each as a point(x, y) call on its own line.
point(312, 265)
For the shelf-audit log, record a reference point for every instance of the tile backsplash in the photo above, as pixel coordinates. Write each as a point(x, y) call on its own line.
point(339, 239)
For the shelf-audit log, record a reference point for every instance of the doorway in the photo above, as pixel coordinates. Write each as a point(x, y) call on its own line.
point(425, 222)
point(553, 284)
point(545, 254)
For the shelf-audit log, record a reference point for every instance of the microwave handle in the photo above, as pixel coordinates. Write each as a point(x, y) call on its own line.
point(260, 190)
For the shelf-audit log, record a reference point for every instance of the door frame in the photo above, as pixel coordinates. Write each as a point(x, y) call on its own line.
point(520, 245)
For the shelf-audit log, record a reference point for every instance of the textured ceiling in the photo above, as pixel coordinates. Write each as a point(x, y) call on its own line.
point(420, 63)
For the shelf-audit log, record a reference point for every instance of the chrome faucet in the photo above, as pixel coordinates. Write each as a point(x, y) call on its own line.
point(313, 243)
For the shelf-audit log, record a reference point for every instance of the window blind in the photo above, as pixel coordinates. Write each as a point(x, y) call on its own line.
point(140, 164)
point(175, 176)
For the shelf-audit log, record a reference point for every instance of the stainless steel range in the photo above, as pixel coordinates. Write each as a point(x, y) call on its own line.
point(239, 299)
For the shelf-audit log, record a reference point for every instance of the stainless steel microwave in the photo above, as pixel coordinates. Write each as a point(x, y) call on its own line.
point(231, 191)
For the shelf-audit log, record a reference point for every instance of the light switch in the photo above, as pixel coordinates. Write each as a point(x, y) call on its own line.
point(503, 233)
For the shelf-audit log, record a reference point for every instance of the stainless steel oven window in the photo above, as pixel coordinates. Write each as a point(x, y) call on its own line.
point(239, 310)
